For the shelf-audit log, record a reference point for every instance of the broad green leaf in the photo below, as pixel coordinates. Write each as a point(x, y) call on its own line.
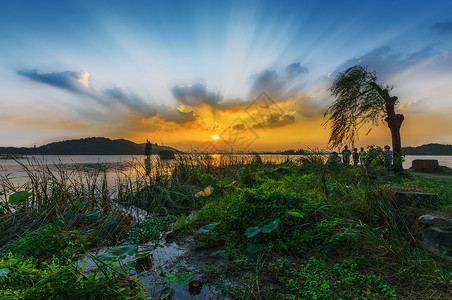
point(252, 231)
point(270, 227)
point(119, 252)
point(295, 213)
point(142, 254)
point(178, 278)
point(3, 274)
point(114, 223)
point(1, 194)
point(207, 228)
point(252, 248)
point(180, 223)
point(224, 181)
point(19, 197)
point(91, 215)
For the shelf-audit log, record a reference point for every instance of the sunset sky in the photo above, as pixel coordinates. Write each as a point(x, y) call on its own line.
point(255, 73)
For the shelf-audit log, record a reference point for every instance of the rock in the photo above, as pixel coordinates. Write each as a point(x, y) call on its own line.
point(425, 164)
point(438, 241)
point(414, 199)
point(444, 223)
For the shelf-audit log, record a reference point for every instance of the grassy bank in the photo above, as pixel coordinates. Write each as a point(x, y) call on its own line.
point(291, 230)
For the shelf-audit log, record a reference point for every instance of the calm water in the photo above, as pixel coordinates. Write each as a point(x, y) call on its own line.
point(16, 173)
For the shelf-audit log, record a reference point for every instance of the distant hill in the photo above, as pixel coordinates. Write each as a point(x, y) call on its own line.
point(429, 149)
point(87, 146)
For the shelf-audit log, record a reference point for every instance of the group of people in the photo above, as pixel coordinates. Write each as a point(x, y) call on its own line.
point(372, 156)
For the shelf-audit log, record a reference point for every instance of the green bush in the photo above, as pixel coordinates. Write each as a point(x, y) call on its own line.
point(26, 279)
point(48, 243)
point(150, 229)
point(316, 279)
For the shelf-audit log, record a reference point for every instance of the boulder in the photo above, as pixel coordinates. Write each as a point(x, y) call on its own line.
point(425, 164)
point(413, 199)
point(438, 241)
point(444, 223)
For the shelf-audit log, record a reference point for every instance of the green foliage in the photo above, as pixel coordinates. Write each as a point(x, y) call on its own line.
point(19, 197)
point(225, 181)
point(357, 103)
point(3, 275)
point(295, 213)
point(48, 243)
point(248, 176)
point(178, 278)
point(252, 231)
point(180, 223)
point(119, 252)
point(28, 280)
point(316, 279)
point(150, 229)
point(259, 207)
point(207, 228)
point(91, 215)
point(252, 248)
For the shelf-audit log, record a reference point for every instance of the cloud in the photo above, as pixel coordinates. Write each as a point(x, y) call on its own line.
point(294, 70)
point(68, 80)
point(387, 63)
point(77, 82)
point(148, 109)
point(275, 120)
point(196, 95)
point(442, 28)
point(239, 127)
point(282, 84)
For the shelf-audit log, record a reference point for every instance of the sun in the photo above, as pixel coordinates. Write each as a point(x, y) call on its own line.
point(215, 136)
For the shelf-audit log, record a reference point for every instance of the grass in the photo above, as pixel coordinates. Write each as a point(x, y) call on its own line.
point(337, 234)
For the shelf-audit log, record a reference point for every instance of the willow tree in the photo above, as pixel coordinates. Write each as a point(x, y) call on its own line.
point(360, 100)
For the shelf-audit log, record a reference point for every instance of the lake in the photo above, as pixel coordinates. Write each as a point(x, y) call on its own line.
point(118, 165)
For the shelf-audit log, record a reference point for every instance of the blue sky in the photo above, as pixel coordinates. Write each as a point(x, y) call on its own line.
point(179, 71)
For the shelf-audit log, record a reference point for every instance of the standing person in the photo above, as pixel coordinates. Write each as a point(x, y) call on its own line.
point(346, 156)
point(355, 156)
point(362, 156)
point(388, 156)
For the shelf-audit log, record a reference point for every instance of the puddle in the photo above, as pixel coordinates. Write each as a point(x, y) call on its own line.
point(173, 256)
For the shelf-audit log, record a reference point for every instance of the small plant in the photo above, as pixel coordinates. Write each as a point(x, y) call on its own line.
point(48, 243)
point(26, 279)
point(316, 279)
point(150, 229)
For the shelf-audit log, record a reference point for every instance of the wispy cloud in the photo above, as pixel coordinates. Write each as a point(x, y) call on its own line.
point(77, 82)
point(442, 28)
point(149, 109)
point(277, 84)
point(68, 80)
point(196, 95)
point(275, 120)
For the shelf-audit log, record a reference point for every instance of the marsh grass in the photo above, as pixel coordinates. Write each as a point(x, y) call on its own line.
point(349, 223)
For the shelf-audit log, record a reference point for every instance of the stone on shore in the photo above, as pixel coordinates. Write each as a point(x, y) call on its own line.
point(425, 164)
point(413, 199)
point(444, 223)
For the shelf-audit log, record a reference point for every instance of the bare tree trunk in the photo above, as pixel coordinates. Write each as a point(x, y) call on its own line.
point(394, 123)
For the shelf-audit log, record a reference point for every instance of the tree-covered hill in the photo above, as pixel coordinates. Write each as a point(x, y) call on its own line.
point(87, 146)
point(429, 149)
